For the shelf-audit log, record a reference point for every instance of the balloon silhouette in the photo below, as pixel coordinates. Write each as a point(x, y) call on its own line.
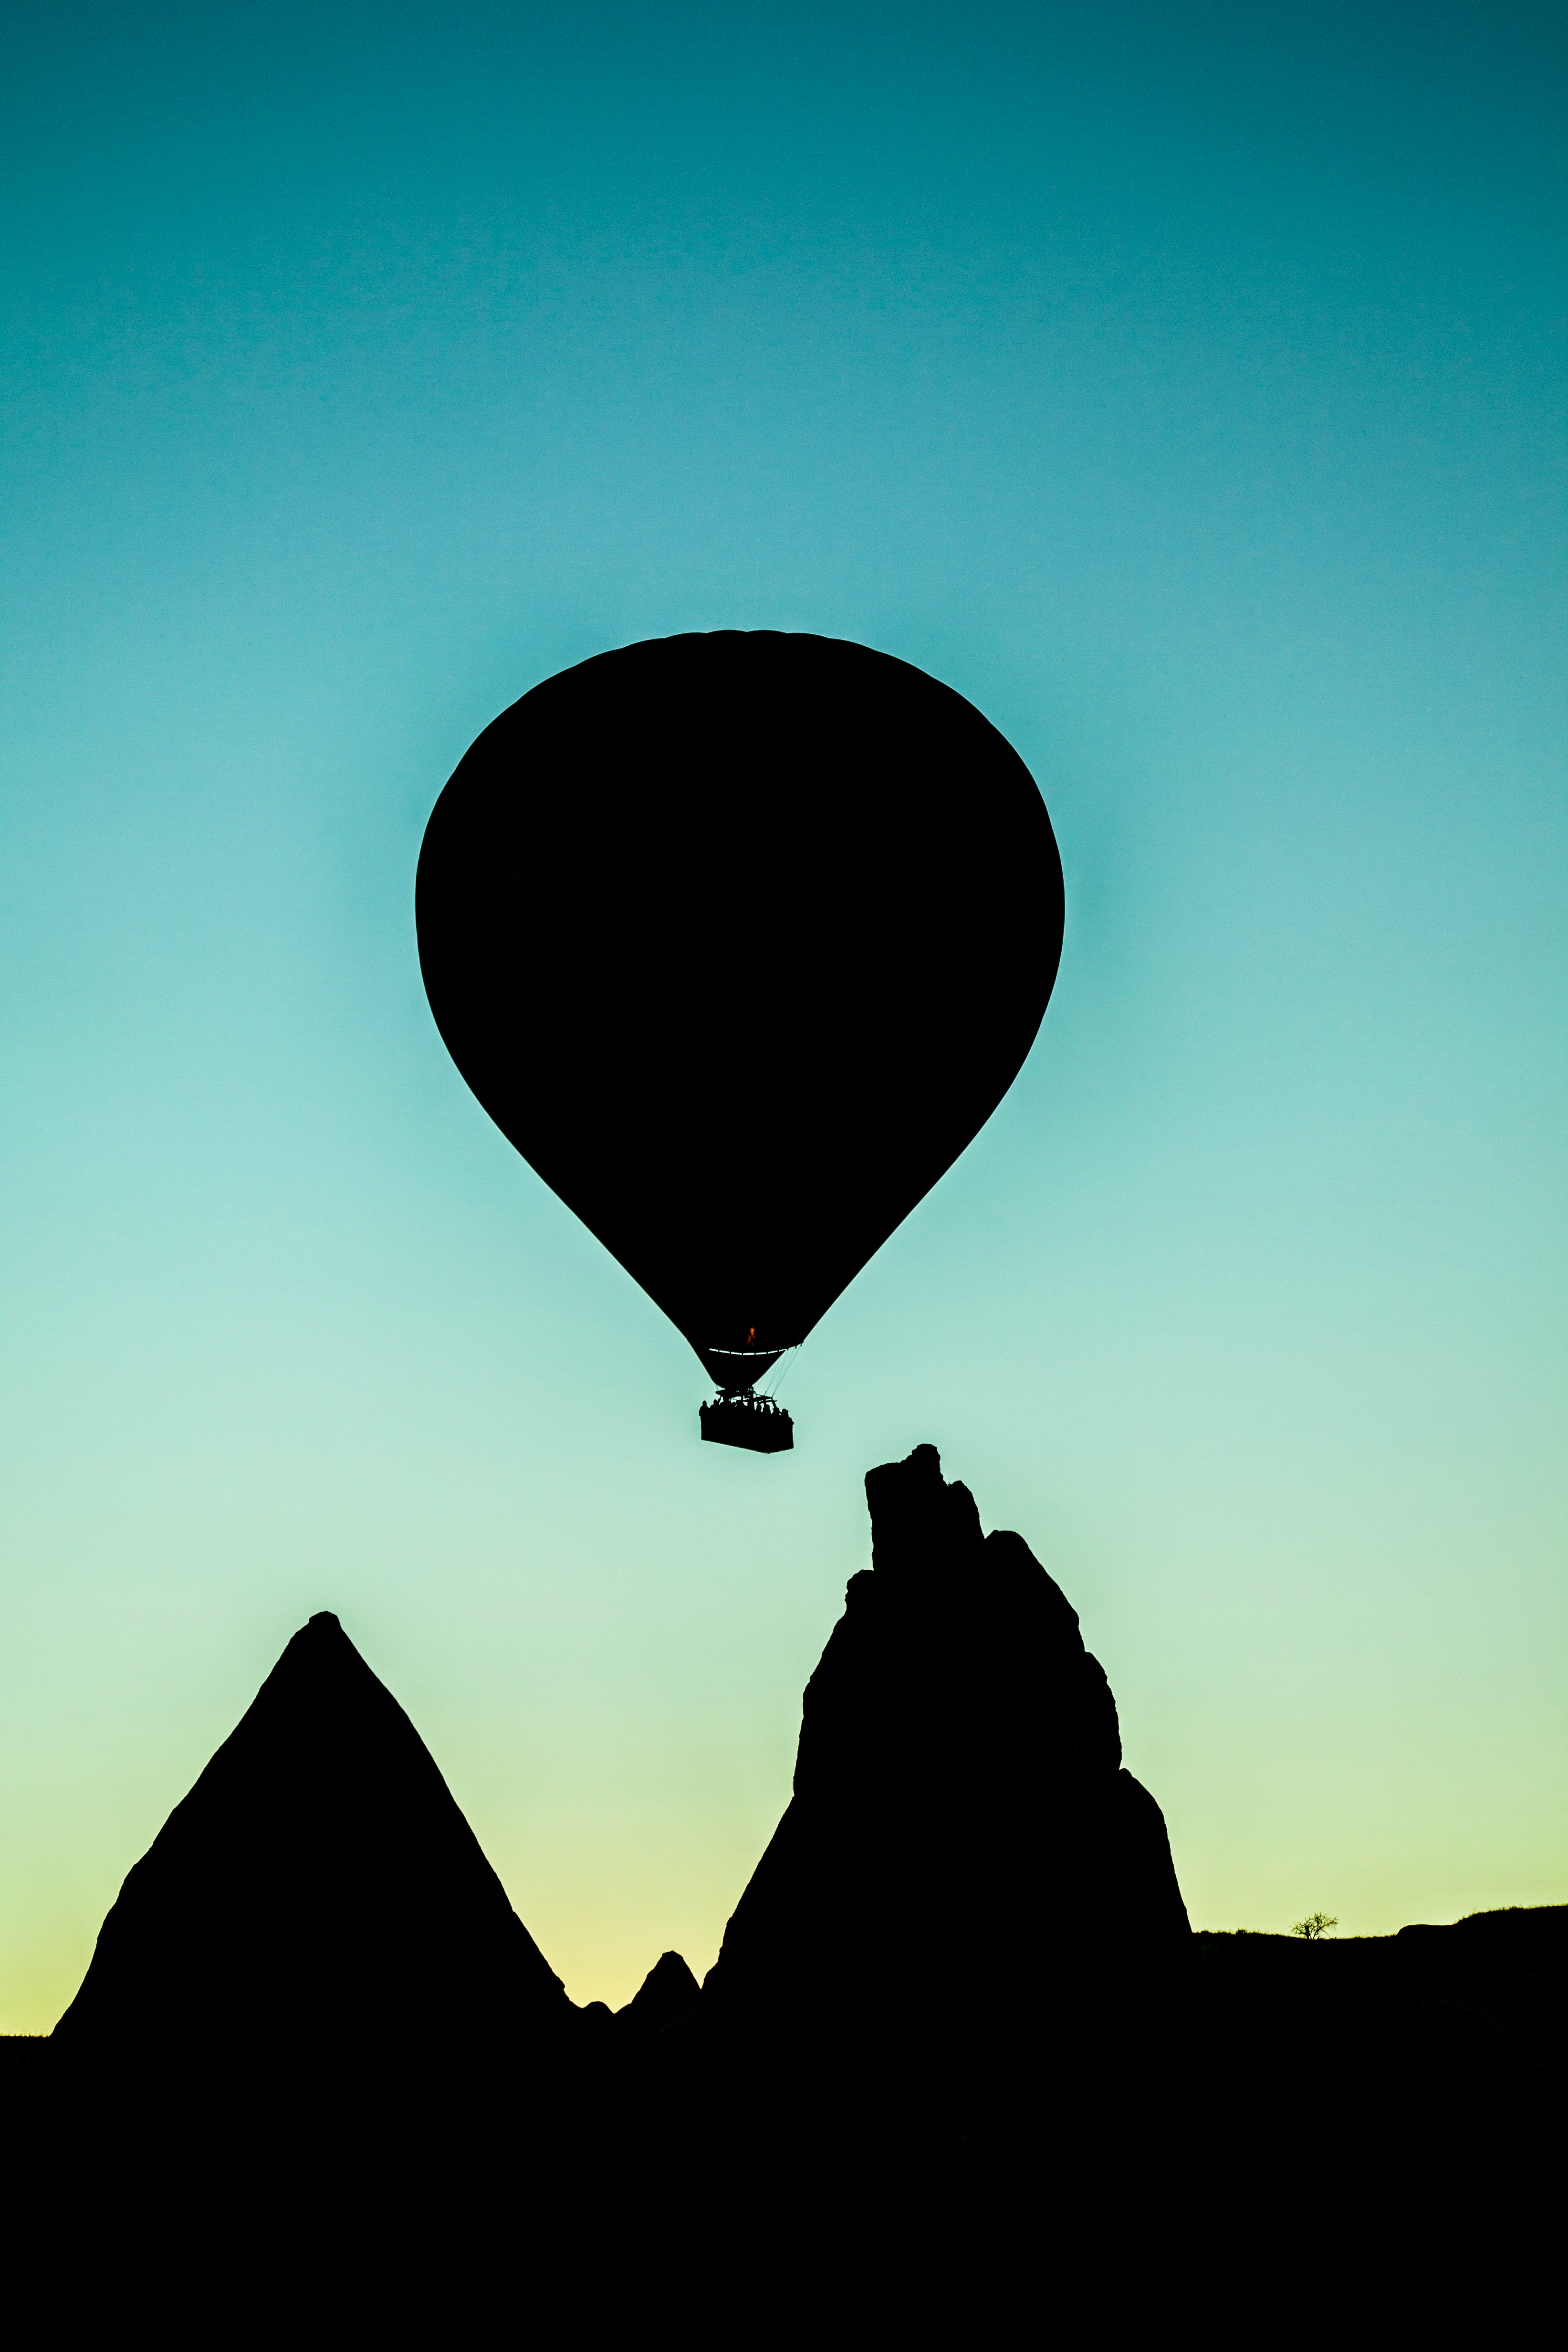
point(740, 938)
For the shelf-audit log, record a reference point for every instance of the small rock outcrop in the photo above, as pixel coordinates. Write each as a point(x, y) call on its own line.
point(319, 1888)
point(962, 1832)
point(667, 1998)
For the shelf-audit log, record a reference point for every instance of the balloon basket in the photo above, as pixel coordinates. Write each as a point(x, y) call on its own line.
point(753, 1422)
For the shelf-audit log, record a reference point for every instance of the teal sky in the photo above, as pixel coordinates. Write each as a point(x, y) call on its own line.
point(1183, 384)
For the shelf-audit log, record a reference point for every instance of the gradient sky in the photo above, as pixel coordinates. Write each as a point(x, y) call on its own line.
point(1183, 384)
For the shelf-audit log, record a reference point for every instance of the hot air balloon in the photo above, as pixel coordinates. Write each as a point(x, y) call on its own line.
point(740, 938)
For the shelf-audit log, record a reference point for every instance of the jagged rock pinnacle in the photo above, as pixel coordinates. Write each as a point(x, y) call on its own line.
point(959, 1808)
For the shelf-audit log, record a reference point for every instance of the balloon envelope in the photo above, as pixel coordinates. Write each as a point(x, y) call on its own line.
point(740, 938)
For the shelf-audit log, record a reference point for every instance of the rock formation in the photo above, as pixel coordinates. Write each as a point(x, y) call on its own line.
point(960, 2067)
point(667, 1999)
point(962, 1832)
point(318, 1889)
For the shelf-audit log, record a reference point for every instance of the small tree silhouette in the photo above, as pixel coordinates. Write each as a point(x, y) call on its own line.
point(1315, 1924)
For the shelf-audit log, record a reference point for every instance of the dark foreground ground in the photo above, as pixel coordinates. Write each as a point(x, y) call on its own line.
point(1370, 2126)
point(961, 2072)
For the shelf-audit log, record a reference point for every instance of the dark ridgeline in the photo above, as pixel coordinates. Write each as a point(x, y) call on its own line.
point(961, 2057)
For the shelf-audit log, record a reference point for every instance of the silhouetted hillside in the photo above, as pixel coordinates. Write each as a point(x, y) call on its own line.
point(961, 2067)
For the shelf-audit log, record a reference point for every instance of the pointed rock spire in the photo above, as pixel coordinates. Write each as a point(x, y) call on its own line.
point(318, 1885)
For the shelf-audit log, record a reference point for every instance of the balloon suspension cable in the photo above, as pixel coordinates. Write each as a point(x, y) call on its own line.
point(781, 1370)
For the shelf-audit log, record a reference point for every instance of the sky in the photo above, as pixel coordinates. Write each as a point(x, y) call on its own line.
point(1183, 384)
